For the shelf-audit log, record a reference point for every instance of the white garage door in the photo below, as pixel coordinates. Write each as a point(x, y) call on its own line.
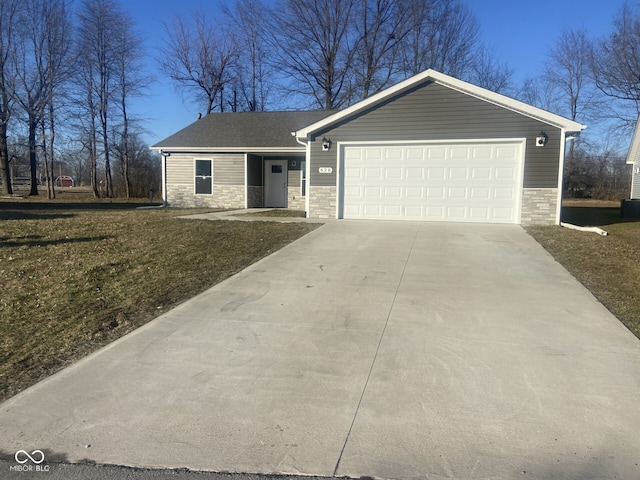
point(459, 182)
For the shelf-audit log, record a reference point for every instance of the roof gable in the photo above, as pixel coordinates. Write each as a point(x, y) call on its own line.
point(431, 76)
point(242, 131)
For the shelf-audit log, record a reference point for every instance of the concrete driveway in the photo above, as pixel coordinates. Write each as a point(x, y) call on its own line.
point(396, 350)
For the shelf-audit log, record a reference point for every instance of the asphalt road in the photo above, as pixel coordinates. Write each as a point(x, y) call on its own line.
point(65, 471)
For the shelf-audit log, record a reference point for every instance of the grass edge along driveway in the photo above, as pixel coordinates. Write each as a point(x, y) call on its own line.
point(77, 277)
point(606, 266)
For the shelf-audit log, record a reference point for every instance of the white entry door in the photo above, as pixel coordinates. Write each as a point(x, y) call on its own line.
point(460, 182)
point(275, 183)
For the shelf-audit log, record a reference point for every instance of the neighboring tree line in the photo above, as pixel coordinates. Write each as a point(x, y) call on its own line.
point(329, 54)
point(67, 79)
point(66, 84)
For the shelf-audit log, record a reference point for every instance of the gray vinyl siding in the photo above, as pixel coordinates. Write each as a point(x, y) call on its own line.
point(434, 112)
point(180, 170)
point(294, 178)
point(227, 169)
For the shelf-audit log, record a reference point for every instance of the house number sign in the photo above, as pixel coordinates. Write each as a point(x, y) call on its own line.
point(325, 170)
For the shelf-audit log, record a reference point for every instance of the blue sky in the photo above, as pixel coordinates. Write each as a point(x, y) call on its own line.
point(520, 32)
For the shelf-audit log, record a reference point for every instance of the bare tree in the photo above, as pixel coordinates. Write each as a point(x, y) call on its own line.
point(313, 47)
point(488, 72)
point(381, 26)
point(59, 70)
point(567, 70)
point(615, 64)
point(87, 119)
point(443, 37)
point(41, 50)
point(535, 92)
point(100, 40)
point(8, 13)
point(198, 61)
point(252, 72)
point(129, 83)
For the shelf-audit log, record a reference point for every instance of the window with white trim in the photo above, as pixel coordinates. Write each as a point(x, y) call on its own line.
point(303, 178)
point(204, 177)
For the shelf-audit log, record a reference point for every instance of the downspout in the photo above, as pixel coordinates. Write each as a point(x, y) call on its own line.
point(563, 142)
point(307, 167)
point(164, 176)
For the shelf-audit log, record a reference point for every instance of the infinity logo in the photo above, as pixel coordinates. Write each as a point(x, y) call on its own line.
point(29, 457)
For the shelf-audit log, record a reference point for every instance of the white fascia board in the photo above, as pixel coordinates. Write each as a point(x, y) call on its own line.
point(455, 84)
point(633, 156)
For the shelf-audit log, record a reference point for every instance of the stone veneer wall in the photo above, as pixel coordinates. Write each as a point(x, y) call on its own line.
point(539, 206)
point(295, 201)
point(255, 197)
point(224, 196)
point(322, 202)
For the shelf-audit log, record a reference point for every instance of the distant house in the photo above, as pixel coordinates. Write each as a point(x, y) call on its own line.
point(430, 148)
point(633, 158)
point(65, 181)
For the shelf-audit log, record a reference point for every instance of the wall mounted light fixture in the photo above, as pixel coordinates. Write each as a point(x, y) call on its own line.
point(542, 139)
point(326, 144)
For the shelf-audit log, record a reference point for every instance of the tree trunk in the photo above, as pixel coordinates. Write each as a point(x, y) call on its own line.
point(33, 157)
point(125, 155)
point(5, 172)
point(48, 174)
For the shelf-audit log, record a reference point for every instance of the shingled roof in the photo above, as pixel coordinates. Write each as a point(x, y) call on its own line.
point(233, 131)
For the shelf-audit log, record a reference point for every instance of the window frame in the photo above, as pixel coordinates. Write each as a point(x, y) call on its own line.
point(204, 177)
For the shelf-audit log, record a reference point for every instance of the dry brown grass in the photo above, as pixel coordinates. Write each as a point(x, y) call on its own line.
point(76, 276)
point(607, 266)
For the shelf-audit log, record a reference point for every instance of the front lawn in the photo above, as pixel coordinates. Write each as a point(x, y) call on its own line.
point(76, 276)
point(608, 266)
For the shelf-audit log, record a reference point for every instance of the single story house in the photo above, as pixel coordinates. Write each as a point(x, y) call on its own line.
point(633, 158)
point(430, 148)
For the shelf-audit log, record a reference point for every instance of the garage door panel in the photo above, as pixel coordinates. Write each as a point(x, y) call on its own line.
point(414, 173)
point(372, 210)
point(373, 192)
point(458, 173)
point(393, 172)
point(483, 173)
point(457, 193)
point(481, 193)
point(438, 172)
point(435, 192)
point(414, 192)
point(479, 213)
point(504, 193)
point(373, 173)
point(393, 211)
point(393, 192)
point(456, 182)
point(435, 153)
point(505, 173)
point(352, 192)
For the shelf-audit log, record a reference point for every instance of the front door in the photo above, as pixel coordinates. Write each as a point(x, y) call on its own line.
point(275, 183)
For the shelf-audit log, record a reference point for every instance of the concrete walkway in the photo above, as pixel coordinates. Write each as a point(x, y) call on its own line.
point(394, 350)
point(249, 215)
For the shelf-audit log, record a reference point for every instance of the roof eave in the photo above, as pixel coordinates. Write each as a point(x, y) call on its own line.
point(165, 148)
